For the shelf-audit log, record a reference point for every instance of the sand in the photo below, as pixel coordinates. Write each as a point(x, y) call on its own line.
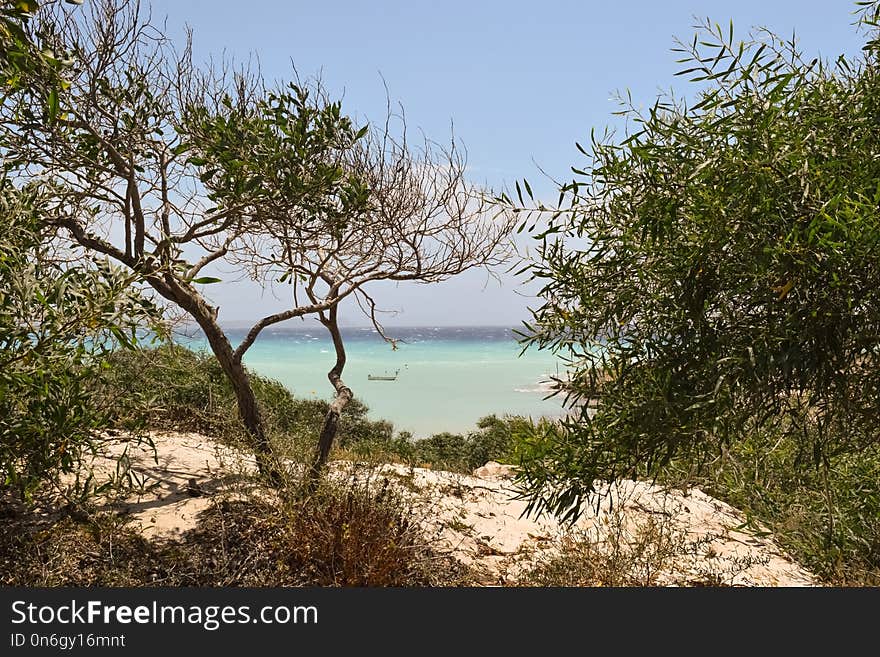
point(477, 519)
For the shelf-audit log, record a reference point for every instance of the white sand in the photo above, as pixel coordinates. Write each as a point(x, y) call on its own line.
point(475, 518)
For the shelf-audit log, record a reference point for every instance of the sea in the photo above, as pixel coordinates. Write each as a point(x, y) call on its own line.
point(444, 378)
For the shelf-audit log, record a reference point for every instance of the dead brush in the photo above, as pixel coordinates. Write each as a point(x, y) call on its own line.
point(621, 550)
point(355, 534)
point(350, 532)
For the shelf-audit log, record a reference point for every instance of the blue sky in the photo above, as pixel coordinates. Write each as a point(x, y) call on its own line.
point(522, 82)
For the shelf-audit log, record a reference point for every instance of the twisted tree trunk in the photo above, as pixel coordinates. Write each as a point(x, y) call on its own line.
point(248, 410)
point(340, 401)
point(185, 296)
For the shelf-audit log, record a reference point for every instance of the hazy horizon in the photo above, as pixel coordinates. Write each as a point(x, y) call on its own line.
point(314, 323)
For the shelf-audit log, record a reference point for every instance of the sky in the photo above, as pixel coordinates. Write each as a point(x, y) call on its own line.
point(521, 82)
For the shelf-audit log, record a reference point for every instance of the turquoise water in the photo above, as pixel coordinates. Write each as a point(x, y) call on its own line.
point(447, 378)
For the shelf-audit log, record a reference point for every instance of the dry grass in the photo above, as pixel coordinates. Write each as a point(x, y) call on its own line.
point(346, 534)
point(643, 553)
point(57, 548)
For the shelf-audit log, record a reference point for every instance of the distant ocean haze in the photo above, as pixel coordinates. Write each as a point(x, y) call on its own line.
point(447, 377)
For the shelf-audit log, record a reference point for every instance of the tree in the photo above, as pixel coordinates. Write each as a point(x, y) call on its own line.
point(170, 169)
point(403, 214)
point(714, 272)
point(114, 130)
point(57, 318)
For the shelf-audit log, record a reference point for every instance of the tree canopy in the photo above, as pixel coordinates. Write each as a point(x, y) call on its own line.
point(170, 169)
point(714, 270)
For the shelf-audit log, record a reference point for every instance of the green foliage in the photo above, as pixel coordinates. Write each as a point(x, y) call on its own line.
point(283, 152)
point(715, 272)
point(56, 322)
point(492, 441)
point(58, 314)
point(23, 58)
point(16, 47)
point(457, 453)
point(826, 518)
point(174, 388)
point(173, 170)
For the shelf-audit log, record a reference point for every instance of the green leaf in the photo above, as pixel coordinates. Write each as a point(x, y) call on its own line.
point(207, 280)
point(52, 103)
point(27, 6)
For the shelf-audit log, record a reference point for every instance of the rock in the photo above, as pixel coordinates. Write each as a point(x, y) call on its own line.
point(495, 470)
point(193, 489)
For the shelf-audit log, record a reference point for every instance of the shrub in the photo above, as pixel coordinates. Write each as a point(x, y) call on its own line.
point(714, 272)
point(57, 321)
point(492, 441)
point(351, 533)
point(174, 388)
point(345, 535)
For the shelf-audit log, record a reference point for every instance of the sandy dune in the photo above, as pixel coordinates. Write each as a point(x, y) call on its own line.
point(476, 518)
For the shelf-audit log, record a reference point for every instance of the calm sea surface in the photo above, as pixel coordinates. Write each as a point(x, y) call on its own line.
point(447, 378)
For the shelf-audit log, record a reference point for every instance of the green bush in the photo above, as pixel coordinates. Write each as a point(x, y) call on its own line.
point(715, 269)
point(827, 518)
point(56, 322)
point(174, 388)
point(710, 283)
point(490, 442)
point(58, 313)
point(493, 440)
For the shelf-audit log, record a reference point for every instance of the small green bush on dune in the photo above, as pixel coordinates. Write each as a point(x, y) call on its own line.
point(493, 440)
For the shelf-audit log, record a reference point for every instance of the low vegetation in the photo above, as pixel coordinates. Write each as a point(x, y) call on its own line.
point(647, 553)
point(177, 389)
point(825, 517)
point(492, 440)
point(353, 536)
point(346, 533)
point(349, 534)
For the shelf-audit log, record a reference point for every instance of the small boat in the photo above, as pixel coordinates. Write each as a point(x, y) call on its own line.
point(386, 377)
